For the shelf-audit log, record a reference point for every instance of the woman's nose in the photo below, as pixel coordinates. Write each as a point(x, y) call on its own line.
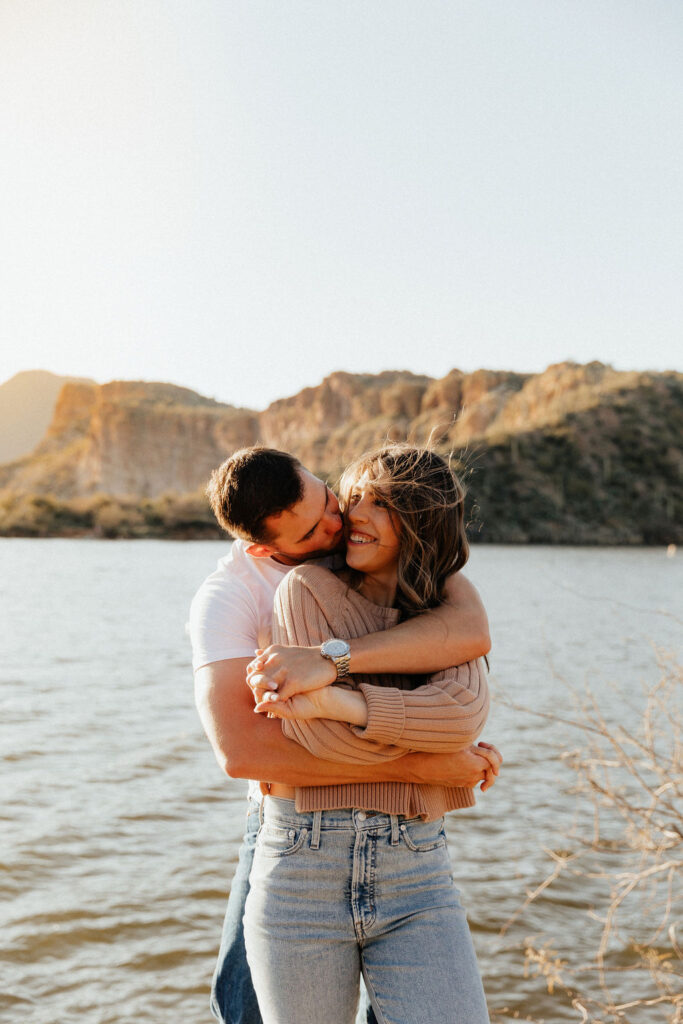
point(357, 512)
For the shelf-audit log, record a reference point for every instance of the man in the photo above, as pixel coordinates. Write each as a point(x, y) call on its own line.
point(282, 515)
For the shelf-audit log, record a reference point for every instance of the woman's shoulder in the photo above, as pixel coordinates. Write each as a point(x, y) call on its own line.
point(318, 580)
point(308, 586)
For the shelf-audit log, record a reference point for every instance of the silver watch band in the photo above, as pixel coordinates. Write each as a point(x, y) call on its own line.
point(339, 652)
point(343, 663)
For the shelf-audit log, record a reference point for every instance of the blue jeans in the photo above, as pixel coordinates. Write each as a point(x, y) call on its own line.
point(233, 1000)
point(344, 892)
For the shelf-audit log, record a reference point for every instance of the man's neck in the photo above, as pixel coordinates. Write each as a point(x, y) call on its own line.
point(286, 560)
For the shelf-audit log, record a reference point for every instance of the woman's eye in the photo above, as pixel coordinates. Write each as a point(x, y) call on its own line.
point(380, 503)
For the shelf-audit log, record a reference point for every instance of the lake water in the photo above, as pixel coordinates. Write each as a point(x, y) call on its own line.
point(119, 834)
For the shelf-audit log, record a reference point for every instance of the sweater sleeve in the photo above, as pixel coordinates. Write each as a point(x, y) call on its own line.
point(306, 612)
point(445, 714)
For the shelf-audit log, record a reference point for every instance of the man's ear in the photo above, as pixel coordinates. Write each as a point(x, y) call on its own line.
point(260, 550)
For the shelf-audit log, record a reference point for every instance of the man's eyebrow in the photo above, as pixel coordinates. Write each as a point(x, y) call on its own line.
point(316, 524)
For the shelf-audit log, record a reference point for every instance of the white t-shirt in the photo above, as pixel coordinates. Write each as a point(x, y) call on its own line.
point(231, 613)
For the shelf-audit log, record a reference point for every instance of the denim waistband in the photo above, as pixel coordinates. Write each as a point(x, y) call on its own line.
point(277, 809)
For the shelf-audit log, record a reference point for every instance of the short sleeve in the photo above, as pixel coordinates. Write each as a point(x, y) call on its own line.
point(224, 623)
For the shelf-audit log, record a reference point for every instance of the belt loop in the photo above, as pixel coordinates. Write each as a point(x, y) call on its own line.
point(394, 830)
point(315, 836)
point(260, 810)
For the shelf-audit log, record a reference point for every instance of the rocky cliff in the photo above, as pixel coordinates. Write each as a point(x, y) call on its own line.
point(27, 403)
point(578, 453)
point(129, 438)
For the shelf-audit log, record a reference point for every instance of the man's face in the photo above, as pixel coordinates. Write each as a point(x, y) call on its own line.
point(310, 529)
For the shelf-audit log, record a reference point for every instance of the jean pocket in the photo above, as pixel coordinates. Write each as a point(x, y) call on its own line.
point(423, 836)
point(279, 840)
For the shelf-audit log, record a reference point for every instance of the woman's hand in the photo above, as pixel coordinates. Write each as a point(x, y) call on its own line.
point(289, 670)
point(337, 703)
point(302, 706)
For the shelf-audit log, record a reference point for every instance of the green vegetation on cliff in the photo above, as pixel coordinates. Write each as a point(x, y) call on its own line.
point(609, 476)
point(177, 517)
point(575, 455)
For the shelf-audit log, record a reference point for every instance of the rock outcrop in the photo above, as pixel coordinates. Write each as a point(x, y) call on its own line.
point(27, 403)
point(579, 453)
point(130, 438)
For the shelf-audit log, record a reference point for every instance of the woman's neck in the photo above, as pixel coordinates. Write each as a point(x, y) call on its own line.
point(380, 588)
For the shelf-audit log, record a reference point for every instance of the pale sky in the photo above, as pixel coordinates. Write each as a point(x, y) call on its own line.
point(242, 196)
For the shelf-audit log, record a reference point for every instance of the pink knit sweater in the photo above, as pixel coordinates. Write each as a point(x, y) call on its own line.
point(445, 713)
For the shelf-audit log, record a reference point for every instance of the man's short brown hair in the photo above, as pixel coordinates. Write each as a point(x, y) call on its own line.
point(252, 485)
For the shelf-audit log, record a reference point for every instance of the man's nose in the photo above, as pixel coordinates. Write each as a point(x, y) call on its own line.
point(334, 521)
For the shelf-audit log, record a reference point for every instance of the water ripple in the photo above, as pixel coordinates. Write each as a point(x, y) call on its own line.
point(120, 834)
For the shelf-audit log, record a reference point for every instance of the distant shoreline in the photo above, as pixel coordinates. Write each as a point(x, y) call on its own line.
point(218, 536)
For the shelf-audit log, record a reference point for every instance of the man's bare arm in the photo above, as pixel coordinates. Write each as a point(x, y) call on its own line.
point(250, 746)
point(455, 632)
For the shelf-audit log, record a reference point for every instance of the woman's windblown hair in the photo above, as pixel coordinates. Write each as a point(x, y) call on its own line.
point(427, 504)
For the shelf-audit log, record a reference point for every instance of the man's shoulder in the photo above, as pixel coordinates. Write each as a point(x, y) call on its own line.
point(230, 577)
point(230, 613)
point(236, 567)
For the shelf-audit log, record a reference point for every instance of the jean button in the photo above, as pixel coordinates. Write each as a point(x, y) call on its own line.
point(362, 815)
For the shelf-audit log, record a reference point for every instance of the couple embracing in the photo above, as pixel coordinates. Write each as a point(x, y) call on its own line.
point(338, 655)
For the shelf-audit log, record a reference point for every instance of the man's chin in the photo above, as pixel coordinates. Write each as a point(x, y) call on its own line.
point(338, 548)
point(290, 558)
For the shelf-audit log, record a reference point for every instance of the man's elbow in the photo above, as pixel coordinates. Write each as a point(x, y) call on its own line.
point(229, 756)
point(238, 760)
point(234, 767)
point(477, 644)
point(485, 643)
point(228, 763)
point(480, 627)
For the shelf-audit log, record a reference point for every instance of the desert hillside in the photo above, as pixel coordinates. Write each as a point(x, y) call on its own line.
point(577, 454)
point(27, 402)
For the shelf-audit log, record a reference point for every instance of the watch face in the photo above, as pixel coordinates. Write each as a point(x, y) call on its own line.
point(335, 648)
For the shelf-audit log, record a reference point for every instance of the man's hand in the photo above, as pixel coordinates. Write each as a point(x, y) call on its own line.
point(479, 763)
point(494, 759)
point(289, 670)
point(249, 746)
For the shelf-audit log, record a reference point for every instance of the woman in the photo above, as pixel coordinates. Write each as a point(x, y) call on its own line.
point(357, 877)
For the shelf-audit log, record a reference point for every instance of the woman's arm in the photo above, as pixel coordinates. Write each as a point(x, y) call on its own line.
point(446, 714)
point(453, 633)
point(307, 610)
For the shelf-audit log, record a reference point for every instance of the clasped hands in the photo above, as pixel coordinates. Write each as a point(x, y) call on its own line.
point(295, 682)
point(286, 671)
point(292, 682)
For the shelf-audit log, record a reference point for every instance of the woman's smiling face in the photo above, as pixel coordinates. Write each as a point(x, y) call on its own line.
point(372, 535)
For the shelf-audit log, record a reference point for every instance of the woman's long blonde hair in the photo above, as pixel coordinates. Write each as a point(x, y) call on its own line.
point(427, 503)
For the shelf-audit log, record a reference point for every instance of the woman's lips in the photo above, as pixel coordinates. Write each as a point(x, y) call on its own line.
point(356, 537)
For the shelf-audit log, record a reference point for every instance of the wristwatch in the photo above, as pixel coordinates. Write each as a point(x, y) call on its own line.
point(339, 652)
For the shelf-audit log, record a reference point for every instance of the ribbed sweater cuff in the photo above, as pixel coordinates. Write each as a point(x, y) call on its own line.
point(386, 714)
